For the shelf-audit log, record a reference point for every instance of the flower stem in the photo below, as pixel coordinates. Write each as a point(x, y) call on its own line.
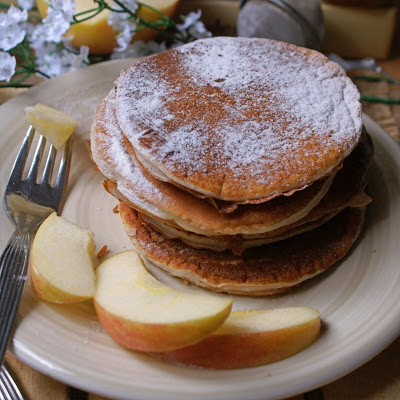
point(93, 12)
point(375, 99)
point(14, 85)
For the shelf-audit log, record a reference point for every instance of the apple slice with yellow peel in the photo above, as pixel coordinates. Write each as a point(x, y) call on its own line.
point(141, 313)
point(252, 338)
point(55, 125)
point(98, 35)
point(62, 268)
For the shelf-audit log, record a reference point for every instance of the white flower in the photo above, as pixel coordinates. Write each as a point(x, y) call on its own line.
point(56, 24)
point(189, 20)
point(15, 15)
point(199, 31)
point(53, 59)
point(46, 54)
point(11, 33)
point(54, 54)
point(67, 7)
point(7, 66)
point(117, 20)
point(26, 4)
point(125, 28)
point(80, 60)
point(192, 26)
point(28, 28)
point(122, 22)
point(140, 49)
point(37, 36)
point(124, 37)
point(10, 37)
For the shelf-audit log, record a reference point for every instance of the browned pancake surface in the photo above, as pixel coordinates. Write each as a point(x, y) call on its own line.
point(237, 118)
point(235, 243)
point(266, 270)
point(129, 182)
point(349, 183)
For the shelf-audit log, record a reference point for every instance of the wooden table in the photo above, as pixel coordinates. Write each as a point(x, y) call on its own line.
point(379, 379)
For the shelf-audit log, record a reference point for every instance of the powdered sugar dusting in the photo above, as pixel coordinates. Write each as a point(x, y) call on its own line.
point(234, 116)
point(111, 156)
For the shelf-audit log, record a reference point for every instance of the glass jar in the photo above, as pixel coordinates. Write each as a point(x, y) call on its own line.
point(299, 22)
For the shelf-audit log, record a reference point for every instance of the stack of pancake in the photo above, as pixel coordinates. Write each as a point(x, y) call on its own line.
point(240, 164)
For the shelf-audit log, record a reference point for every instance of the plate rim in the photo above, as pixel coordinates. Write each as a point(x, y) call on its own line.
point(24, 354)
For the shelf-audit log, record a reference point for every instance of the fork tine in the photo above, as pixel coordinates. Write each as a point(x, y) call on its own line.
point(7, 255)
point(15, 261)
point(48, 169)
point(20, 161)
point(64, 165)
point(4, 391)
point(33, 171)
point(10, 383)
point(4, 383)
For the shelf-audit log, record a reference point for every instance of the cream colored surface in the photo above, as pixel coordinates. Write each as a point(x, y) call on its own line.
point(359, 304)
point(358, 32)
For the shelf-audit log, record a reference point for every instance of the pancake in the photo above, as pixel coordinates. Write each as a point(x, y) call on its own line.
point(346, 190)
point(241, 164)
point(236, 243)
point(115, 157)
point(224, 206)
point(266, 270)
point(180, 209)
point(239, 119)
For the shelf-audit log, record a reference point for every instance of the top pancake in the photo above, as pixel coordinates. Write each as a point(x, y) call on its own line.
point(116, 159)
point(239, 118)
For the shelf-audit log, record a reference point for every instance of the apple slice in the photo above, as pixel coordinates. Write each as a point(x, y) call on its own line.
point(55, 125)
point(62, 268)
point(251, 338)
point(144, 314)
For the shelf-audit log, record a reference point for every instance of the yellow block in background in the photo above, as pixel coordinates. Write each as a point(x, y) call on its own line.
point(98, 35)
point(358, 31)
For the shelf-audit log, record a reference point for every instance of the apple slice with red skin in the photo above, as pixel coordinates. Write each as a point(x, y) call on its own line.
point(143, 314)
point(252, 338)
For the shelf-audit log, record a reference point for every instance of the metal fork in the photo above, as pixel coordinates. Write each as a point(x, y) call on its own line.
point(27, 204)
point(8, 388)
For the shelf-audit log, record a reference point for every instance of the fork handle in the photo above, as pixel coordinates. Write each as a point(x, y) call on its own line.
point(13, 269)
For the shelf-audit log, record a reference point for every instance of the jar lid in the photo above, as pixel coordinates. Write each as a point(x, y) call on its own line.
point(299, 22)
point(361, 3)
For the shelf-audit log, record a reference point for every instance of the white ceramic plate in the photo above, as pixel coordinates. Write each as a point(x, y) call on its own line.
point(359, 299)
